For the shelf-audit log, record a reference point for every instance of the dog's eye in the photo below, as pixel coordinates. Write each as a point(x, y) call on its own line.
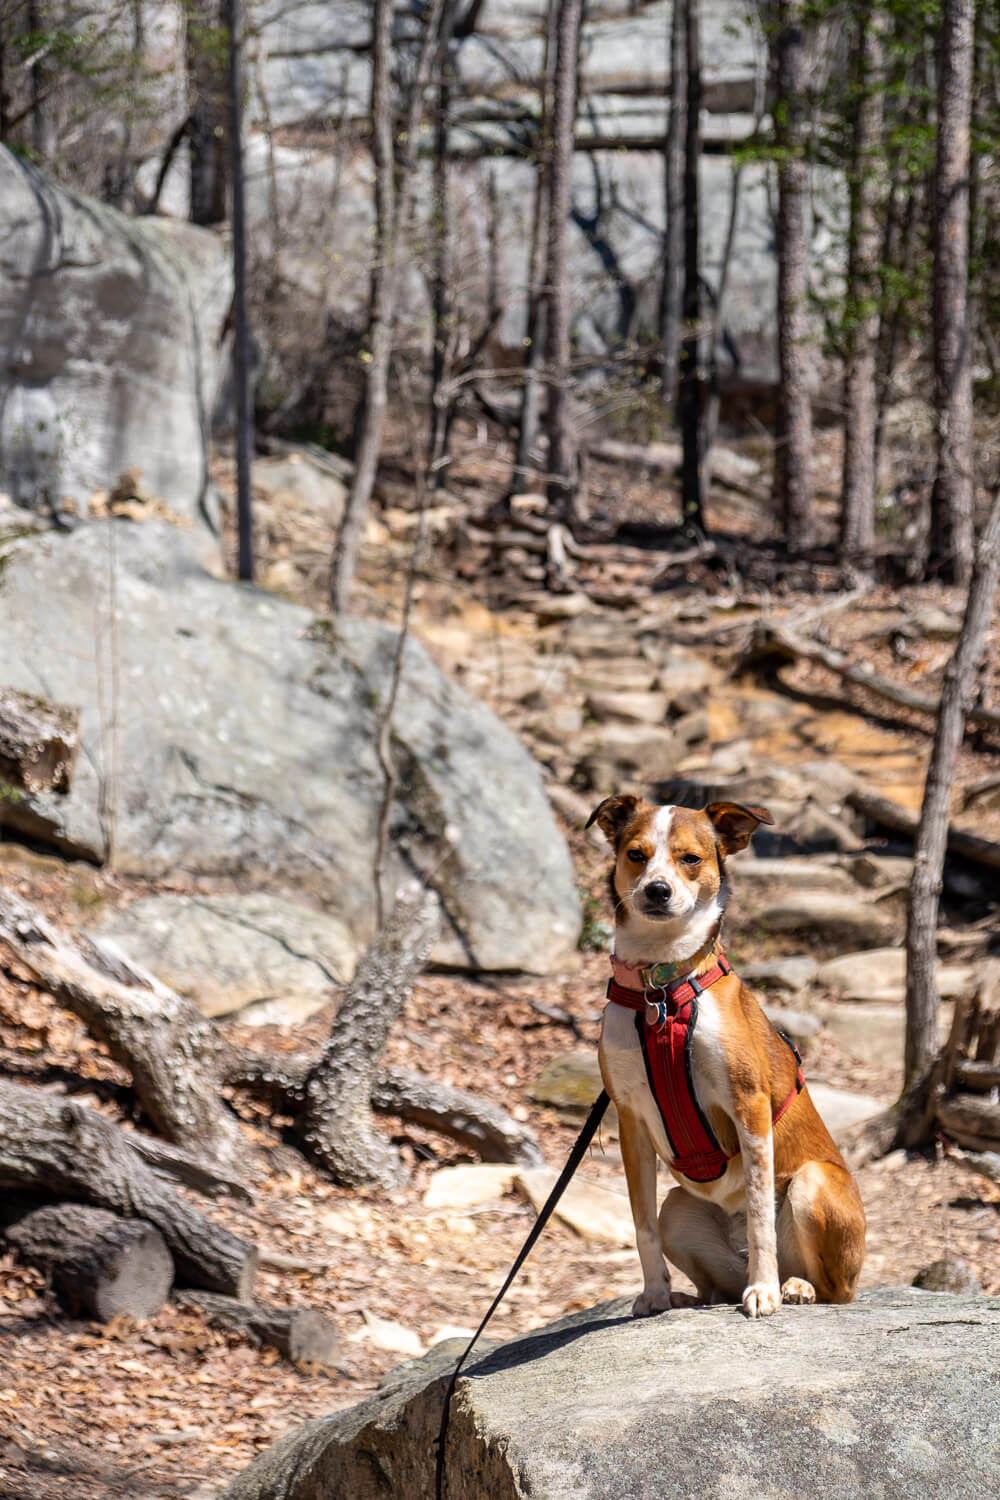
point(636, 856)
point(690, 859)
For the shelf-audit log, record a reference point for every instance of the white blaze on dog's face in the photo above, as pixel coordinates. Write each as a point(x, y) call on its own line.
point(669, 871)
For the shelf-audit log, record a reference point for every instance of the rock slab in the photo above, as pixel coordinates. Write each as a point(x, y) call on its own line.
point(270, 959)
point(894, 1397)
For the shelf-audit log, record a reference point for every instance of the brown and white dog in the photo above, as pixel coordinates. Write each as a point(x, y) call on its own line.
point(783, 1220)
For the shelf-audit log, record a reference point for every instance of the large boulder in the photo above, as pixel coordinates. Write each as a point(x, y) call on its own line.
point(227, 732)
point(894, 1396)
point(110, 329)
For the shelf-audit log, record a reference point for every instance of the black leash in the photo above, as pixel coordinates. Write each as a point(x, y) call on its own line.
point(574, 1159)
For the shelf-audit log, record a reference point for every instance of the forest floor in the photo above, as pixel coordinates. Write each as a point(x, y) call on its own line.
point(173, 1408)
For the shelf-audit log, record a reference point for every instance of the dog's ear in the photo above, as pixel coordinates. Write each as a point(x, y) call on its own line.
point(735, 824)
point(613, 815)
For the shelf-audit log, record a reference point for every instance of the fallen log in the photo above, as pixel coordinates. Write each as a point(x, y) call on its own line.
point(303, 1335)
point(39, 741)
point(773, 644)
point(99, 1265)
point(64, 1150)
point(978, 1076)
point(891, 815)
point(973, 1121)
point(173, 1053)
point(731, 470)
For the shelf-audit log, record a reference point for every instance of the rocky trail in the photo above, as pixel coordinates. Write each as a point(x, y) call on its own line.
point(655, 689)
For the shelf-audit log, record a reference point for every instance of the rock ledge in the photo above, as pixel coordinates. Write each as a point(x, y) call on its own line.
point(894, 1396)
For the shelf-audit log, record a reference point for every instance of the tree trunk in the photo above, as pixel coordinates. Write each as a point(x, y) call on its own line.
point(671, 286)
point(793, 436)
point(335, 1122)
point(394, 195)
point(441, 291)
point(857, 518)
point(4, 52)
point(689, 385)
point(925, 886)
point(65, 1150)
point(534, 332)
point(241, 342)
point(562, 460)
point(209, 124)
point(951, 539)
point(371, 424)
point(174, 1054)
point(100, 1266)
point(443, 309)
point(39, 122)
point(39, 741)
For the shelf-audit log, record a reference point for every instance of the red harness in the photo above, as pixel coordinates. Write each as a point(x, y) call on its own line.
point(665, 1022)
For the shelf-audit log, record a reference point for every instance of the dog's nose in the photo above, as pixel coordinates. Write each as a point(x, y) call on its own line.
point(657, 893)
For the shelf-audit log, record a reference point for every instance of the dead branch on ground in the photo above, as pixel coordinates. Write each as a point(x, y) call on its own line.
point(889, 814)
point(772, 646)
point(303, 1335)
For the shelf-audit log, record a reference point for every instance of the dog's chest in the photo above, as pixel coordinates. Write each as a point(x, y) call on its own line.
point(626, 1078)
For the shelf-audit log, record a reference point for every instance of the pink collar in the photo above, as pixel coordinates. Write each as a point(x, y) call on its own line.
point(641, 977)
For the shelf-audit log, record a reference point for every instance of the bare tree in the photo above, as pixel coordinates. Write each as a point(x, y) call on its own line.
point(4, 65)
point(857, 517)
point(534, 332)
point(562, 486)
point(793, 435)
point(207, 126)
point(951, 540)
point(445, 300)
point(442, 312)
point(671, 286)
point(395, 188)
point(957, 694)
point(244, 409)
point(689, 382)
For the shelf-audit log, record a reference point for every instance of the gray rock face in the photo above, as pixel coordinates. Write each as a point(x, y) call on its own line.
point(110, 330)
point(245, 747)
point(312, 66)
point(894, 1396)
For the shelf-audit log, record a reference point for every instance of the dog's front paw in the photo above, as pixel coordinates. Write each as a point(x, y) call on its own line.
point(652, 1299)
point(795, 1289)
point(761, 1300)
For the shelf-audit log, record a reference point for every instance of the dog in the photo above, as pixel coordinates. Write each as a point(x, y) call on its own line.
point(765, 1209)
